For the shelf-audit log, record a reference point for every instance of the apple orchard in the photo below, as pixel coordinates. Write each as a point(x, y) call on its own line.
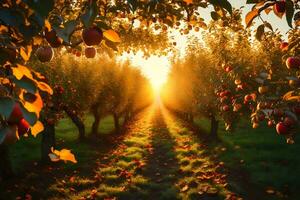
point(241, 66)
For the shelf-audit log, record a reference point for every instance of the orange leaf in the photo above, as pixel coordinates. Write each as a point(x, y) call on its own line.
point(268, 10)
point(37, 128)
point(26, 54)
point(48, 25)
point(185, 188)
point(250, 16)
point(188, 1)
point(21, 71)
point(35, 106)
point(63, 154)
point(45, 87)
point(112, 35)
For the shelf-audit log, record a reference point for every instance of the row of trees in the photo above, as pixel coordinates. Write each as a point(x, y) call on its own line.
point(28, 27)
point(231, 74)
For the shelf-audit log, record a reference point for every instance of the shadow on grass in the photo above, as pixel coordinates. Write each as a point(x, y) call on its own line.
point(162, 168)
point(58, 180)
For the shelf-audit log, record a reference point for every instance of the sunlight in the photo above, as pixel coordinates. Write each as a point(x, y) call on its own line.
point(155, 68)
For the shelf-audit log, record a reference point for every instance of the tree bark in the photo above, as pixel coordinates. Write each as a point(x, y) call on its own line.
point(96, 123)
point(116, 122)
point(127, 116)
point(191, 118)
point(77, 121)
point(214, 125)
point(6, 170)
point(48, 141)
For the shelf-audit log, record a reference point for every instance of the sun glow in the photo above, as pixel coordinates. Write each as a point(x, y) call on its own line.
point(155, 68)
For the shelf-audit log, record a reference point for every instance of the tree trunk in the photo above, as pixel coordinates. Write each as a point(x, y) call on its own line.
point(214, 127)
point(48, 141)
point(191, 118)
point(116, 122)
point(127, 116)
point(96, 123)
point(6, 171)
point(77, 121)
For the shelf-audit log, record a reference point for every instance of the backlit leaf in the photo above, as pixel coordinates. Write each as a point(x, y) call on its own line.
point(37, 128)
point(250, 16)
point(45, 87)
point(35, 106)
point(25, 53)
point(19, 71)
point(63, 154)
point(188, 1)
point(112, 35)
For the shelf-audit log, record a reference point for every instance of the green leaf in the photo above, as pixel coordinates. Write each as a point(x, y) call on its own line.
point(214, 15)
point(41, 7)
point(133, 4)
point(11, 17)
point(260, 32)
point(30, 117)
point(111, 45)
point(89, 16)
point(103, 25)
point(289, 5)
point(27, 84)
point(6, 106)
point(222, 3)
point(268, 25)
point(66, 32)
point(3, 133)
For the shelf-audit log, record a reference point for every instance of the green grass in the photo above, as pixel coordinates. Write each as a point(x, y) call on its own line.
point(28, 149)
point(264, 155)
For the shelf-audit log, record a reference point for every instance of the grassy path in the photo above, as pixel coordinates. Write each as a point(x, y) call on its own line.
point(158, 159)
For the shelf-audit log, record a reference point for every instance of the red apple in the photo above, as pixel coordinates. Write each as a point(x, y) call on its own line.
point(228, 69)
point(280, 6)
point(92, 36)
point(284, 46)
point(59, 89)
point(23, 127)
point(293, 63)
point(52, 38)
point(237, 107)
point(223, 99)
point(248, 97)
point(44, 53)
point(263, 89)
point(16, 114)
point(270, 123)
point(90, 52)
point(78, 54)
point(282, 129)
point(225, 108)
point(288, 121)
